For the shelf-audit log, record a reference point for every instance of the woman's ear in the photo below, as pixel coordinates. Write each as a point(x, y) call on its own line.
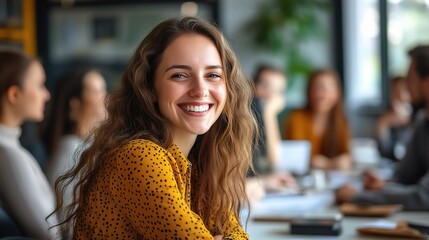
point(12, 94)
point(153, 97)
point(75, 106)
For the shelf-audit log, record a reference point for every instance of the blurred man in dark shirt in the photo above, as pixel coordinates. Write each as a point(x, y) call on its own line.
point(410, 185)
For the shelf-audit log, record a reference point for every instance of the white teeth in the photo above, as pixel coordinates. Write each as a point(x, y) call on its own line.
point(200, 108)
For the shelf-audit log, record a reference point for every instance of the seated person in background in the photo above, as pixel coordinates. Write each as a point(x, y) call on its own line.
point(270, 85)
point(269, 100)
point(322, 122)
point(393, 126)
point(77, 107)
point(410, 186)
point(170, 161)
point(25, 193)
point(413, 84)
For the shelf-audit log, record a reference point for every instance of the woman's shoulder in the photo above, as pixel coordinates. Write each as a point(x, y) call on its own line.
point(143, 143)
point(68, 145)
point(13, 153)
point(141, 153)
point(139, 147)
point(16, 159)
point(71, 140)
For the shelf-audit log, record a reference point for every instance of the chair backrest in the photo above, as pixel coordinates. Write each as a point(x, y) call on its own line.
point(7, 225)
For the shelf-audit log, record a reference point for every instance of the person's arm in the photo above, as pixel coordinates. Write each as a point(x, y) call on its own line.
point(340, 162)
point(382, 126)
point(26, 195)
point(145, 188)
point(412, 197)
point(409, 169)
point(272, 130)
point(384, 138)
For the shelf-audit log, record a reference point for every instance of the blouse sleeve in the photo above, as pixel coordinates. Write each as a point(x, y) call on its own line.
point(145, 189)
point(234, 230)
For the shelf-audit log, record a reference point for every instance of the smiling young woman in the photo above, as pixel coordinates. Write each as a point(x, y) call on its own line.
point(171, 159)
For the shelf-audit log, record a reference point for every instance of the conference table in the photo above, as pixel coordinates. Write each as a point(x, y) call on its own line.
point(264, 217)
point(259, 230)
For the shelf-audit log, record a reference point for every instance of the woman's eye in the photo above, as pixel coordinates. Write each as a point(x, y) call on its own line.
point(178, 76)
point(214, 75)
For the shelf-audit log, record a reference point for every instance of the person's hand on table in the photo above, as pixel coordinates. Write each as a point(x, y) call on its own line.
point(345, 193)
point(320, 162)
point(255, 190)
point(279, 181)
point(372, 181)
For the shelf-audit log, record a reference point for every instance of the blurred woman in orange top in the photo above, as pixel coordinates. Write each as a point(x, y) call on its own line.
point(322, 122)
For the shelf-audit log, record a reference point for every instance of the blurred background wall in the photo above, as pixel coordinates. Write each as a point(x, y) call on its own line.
point(364, 40)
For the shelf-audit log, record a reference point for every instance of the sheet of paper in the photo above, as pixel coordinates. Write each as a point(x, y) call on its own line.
point(291, 206)
point(382, 224)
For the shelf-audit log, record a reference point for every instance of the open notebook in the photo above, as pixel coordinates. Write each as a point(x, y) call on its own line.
point(294, 157)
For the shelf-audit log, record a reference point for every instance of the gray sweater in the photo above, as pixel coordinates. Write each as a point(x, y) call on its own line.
point(24, 190)
point(64, 158)
point(410, 186)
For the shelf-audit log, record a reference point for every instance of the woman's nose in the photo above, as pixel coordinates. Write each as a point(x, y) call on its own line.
point(199, 88)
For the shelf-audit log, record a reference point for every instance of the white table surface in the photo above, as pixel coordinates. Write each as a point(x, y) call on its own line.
point(259, 230)
point(280, 230)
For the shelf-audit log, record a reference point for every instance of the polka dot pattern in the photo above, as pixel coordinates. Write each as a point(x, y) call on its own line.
point(145, 193)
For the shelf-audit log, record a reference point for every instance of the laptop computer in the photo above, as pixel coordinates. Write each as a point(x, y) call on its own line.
point(294, 157)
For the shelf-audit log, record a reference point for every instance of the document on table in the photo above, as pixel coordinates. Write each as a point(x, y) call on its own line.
point(288, 207)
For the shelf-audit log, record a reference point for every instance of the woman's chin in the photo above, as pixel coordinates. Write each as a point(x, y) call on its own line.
point(36, 118)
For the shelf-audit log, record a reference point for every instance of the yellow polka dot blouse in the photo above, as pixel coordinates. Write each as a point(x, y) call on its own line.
point(144, 193)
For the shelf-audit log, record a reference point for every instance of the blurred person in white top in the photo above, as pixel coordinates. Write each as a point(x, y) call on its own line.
point(75, 111)
point(24, 190)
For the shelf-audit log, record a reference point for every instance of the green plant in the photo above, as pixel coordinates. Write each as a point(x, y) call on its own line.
point(281, 25)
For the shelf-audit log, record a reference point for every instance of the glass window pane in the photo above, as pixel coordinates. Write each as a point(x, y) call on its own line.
point(407, 26)
point(362, 53)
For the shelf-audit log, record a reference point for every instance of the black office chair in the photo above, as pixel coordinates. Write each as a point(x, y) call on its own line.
point(7, 225)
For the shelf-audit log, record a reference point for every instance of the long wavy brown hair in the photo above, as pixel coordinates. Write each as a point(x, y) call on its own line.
point(337, 129)
point(221, 157)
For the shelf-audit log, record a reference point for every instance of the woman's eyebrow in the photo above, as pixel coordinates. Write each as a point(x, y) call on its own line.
point(214, 67)
point(179, 66)
point(189, 68)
